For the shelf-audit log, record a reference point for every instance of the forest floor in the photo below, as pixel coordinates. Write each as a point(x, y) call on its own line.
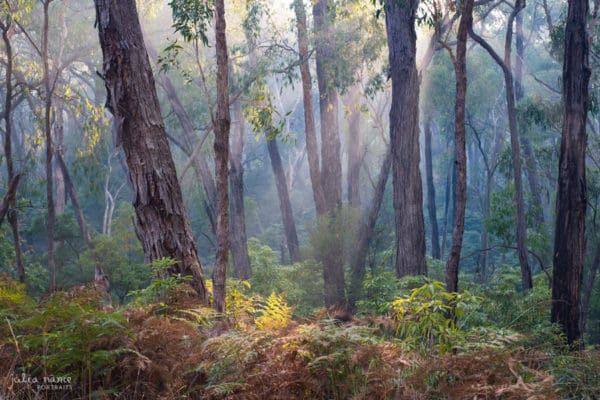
point(67, 348)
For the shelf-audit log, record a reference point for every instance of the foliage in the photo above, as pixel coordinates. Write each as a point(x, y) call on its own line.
point(191, 18)
point(577, 375)
point(426, 318)
point(163, 284)
point(275, 313)
point(380, 287)
point(302, 282)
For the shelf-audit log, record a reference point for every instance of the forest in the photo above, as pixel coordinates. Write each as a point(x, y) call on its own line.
point(292, 199)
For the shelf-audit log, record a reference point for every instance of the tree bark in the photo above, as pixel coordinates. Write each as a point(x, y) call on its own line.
point(331, 164)
point(13, 218)
point(287, 216)
point(162, 223)
point(404, 138)
point(435, 234)
point(505, 64)
point(221, 146)
point(239, 243)
point(365, 232)
point(569, 242)
point(460, 202)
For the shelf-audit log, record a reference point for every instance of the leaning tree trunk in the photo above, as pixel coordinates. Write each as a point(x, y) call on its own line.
point(162, 223)
point(460, 202)
point(239, 243)
point(569, 242)
point(435, 234)
point(331, 164)
point(13, 218)
point(285, 205)
point(221, 146)
point(404, 138)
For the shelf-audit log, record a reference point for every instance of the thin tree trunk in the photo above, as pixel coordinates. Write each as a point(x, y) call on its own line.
point(435, 235)
point(221, 146)
point(49, 148)
point(162, 223)
point(353, 106)
point(13, 218)
point(569, 239)
point(528, 157)
point(460, 202)
point(239, 244)
point(505, 64)
point(365, 232)
point(287, 216)
point(59, 140)
point(331, 164)
point(449, 176)
point(404, 138)
point(312, 150)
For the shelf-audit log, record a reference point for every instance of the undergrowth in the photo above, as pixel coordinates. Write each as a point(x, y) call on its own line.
point(165, 345)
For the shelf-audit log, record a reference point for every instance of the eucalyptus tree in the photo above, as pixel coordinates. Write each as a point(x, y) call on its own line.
point(404, 137)
point(571, 200)
point(162, 223)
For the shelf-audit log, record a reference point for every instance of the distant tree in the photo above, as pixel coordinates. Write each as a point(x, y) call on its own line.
point(162, 223)
point(331, 164)
point(506, 65)
point(571, 200)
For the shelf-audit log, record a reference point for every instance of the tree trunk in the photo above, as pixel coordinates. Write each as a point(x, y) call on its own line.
point(49, 148)
point(449, 185)
point(588, 289)
point(569, 242)
point(353, 110)
point(221, 146)
point(404, 138)
point(13, 218)
point(239, 243)
point(435, 235)
point(287, 216)
point(312, 150)
point(505, 64)
point(9, 197)
point(59, 140)
point(528, 157)
point(365, 232)
point(460, 202)
point(331, 164)
point(162, 223)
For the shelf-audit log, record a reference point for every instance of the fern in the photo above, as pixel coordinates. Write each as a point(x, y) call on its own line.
point(275, 313)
